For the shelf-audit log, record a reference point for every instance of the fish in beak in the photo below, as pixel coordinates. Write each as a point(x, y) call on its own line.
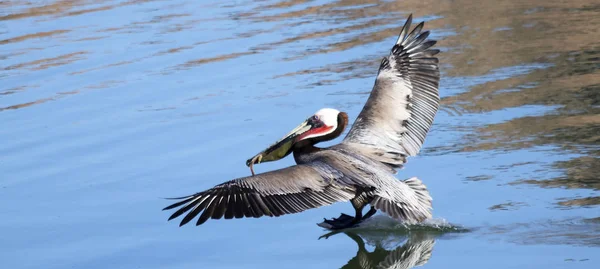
point(281, 148)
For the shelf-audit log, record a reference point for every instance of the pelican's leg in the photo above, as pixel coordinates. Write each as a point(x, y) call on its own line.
point(370, 213)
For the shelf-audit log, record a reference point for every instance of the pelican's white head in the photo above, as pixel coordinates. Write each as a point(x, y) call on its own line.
point(321, 126)
point(323, 122)
point(329, 116)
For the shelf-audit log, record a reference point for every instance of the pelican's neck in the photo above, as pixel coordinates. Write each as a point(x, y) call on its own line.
point(306, 147)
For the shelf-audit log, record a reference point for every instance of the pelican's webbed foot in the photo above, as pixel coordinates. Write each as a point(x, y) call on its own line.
point(345, 221)
point(342, 222)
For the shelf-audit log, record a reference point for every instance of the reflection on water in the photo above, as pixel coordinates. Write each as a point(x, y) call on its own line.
point(390, 251)
point(138, 99)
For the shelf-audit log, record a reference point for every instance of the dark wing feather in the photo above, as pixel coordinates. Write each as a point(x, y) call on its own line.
point(285, 191)
point(404, 100)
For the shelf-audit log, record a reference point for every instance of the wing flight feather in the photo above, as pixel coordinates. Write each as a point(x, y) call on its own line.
point(284, 191)
point(403, 103)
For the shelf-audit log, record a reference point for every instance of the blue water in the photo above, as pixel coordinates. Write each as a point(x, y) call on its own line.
point(107, 108)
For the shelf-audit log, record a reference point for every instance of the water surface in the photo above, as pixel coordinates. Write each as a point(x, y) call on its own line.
point(108, 106)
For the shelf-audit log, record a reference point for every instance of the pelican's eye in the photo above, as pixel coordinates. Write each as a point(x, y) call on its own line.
point(315, 117)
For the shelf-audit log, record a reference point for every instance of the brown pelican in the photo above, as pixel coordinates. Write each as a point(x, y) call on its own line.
point(392, 126)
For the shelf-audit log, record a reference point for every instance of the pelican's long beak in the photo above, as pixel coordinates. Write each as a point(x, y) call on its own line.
point(281, 148)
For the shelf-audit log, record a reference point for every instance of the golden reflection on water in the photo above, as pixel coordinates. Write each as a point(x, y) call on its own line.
point(63, 8)
point(30, 36)
point(49, 62)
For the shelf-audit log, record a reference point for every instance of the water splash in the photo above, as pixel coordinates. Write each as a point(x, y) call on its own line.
point(383, 226)
point(385, 223)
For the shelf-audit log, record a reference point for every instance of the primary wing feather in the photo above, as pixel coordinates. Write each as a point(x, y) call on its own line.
point(284, 191)
point(404, 100)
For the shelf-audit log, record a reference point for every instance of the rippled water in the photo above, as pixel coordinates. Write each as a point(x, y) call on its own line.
point(108, 106)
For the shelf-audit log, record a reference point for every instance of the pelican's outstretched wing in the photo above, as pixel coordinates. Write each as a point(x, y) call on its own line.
point(284, 191)
point(397, 116)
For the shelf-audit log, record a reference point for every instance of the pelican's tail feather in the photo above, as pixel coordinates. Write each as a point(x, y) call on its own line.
point(409, 201)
